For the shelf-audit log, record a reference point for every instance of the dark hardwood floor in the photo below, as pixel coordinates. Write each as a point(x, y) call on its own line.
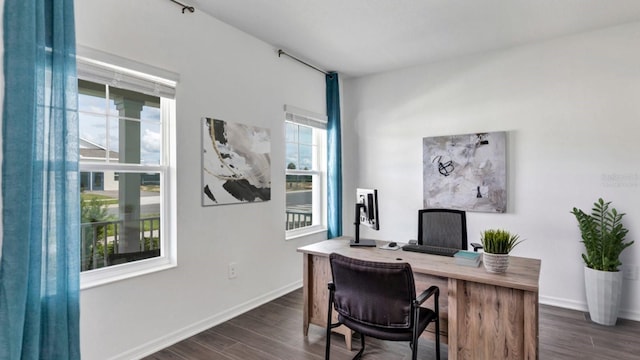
point(274, 331)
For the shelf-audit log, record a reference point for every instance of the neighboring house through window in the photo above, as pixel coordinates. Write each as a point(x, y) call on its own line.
point(126, 116)
point(305, 134)
point(92, 152)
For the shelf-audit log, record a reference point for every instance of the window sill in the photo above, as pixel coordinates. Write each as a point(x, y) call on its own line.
point(301, 233)
point(99, 277)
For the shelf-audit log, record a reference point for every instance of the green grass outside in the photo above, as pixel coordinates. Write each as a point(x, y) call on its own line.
point(105, 200)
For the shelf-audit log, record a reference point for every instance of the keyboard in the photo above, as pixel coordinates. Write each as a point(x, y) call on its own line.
point(428, 249)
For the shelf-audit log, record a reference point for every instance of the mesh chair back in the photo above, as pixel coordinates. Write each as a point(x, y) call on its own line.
point(442, 227)
point(373, 293)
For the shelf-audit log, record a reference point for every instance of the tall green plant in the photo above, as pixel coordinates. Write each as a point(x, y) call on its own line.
point(603, 236)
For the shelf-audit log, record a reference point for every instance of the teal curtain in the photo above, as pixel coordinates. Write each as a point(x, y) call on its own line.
point(39, 268)
point(334, 158)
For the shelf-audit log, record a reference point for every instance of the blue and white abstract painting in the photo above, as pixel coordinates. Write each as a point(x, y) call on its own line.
point(236, 163)
point(465, 172)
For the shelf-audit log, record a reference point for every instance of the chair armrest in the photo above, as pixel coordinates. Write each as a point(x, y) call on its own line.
point(476, 246)
point(331, 286)
point(427, 294)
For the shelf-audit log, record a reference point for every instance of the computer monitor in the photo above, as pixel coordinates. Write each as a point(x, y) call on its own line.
point(366, 213)
point(443, 228)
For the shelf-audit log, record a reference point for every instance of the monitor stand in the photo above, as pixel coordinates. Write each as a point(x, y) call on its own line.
point(356, 241)
point(362, 243)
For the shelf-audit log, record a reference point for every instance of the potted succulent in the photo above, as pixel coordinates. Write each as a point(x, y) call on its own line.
point(603, 235)
point(497, 244)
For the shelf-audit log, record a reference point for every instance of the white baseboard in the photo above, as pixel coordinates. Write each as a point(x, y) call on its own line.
point(629, 315)
point(582, 306)
point(193, 329)
point(563, 303)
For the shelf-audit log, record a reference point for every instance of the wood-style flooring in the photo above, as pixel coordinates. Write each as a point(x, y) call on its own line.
point(274, 332)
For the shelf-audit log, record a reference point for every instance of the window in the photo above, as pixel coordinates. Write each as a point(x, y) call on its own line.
point(305, 171)
point(126, 119)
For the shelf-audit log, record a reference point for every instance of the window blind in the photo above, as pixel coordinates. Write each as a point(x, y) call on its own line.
point(96, 66)
point(304, 117)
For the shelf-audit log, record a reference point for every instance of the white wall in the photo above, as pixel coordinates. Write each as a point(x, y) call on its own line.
point(571, 107)
point(225, 74)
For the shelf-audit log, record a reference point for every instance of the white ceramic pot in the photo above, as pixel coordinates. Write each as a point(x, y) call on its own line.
point(495, 263)
point(604, 291)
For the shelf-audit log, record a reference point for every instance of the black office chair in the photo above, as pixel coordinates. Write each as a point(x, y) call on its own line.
point(379, 300)
point(444, 228)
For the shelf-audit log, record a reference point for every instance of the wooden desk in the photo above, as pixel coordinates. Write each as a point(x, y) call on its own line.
point(483, 315)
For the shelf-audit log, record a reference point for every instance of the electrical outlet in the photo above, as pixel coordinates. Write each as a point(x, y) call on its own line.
point(233, 270)
point(630, 272)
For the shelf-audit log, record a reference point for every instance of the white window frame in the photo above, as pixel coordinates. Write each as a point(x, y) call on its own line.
point(319, 198)
point(99, 67)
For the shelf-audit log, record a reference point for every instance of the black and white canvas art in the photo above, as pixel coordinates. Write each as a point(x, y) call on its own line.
point(236, 163)
point(465, 172)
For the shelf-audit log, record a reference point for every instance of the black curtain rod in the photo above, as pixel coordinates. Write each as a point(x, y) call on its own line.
point(185, 7)
point(282, 52)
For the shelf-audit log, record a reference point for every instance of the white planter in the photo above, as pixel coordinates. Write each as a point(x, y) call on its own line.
point(604, 291)
point(495, 263)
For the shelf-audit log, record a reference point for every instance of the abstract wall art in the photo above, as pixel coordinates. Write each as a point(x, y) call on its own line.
point(236, 163)
point(465, 172)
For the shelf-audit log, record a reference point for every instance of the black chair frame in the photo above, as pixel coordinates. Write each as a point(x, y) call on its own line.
point(414, 325)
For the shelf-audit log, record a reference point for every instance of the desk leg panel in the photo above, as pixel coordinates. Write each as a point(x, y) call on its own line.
point(531, 339)
point(306, 298)
point(454, 287)
point(319, 277)
point(489, 322)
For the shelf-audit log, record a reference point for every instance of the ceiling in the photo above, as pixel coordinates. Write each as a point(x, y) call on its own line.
point(360, 37)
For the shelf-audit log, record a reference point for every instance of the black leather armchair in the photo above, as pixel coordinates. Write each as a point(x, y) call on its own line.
point(379, 300)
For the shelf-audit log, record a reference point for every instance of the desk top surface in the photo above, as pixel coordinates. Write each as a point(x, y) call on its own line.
point(522, 273)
